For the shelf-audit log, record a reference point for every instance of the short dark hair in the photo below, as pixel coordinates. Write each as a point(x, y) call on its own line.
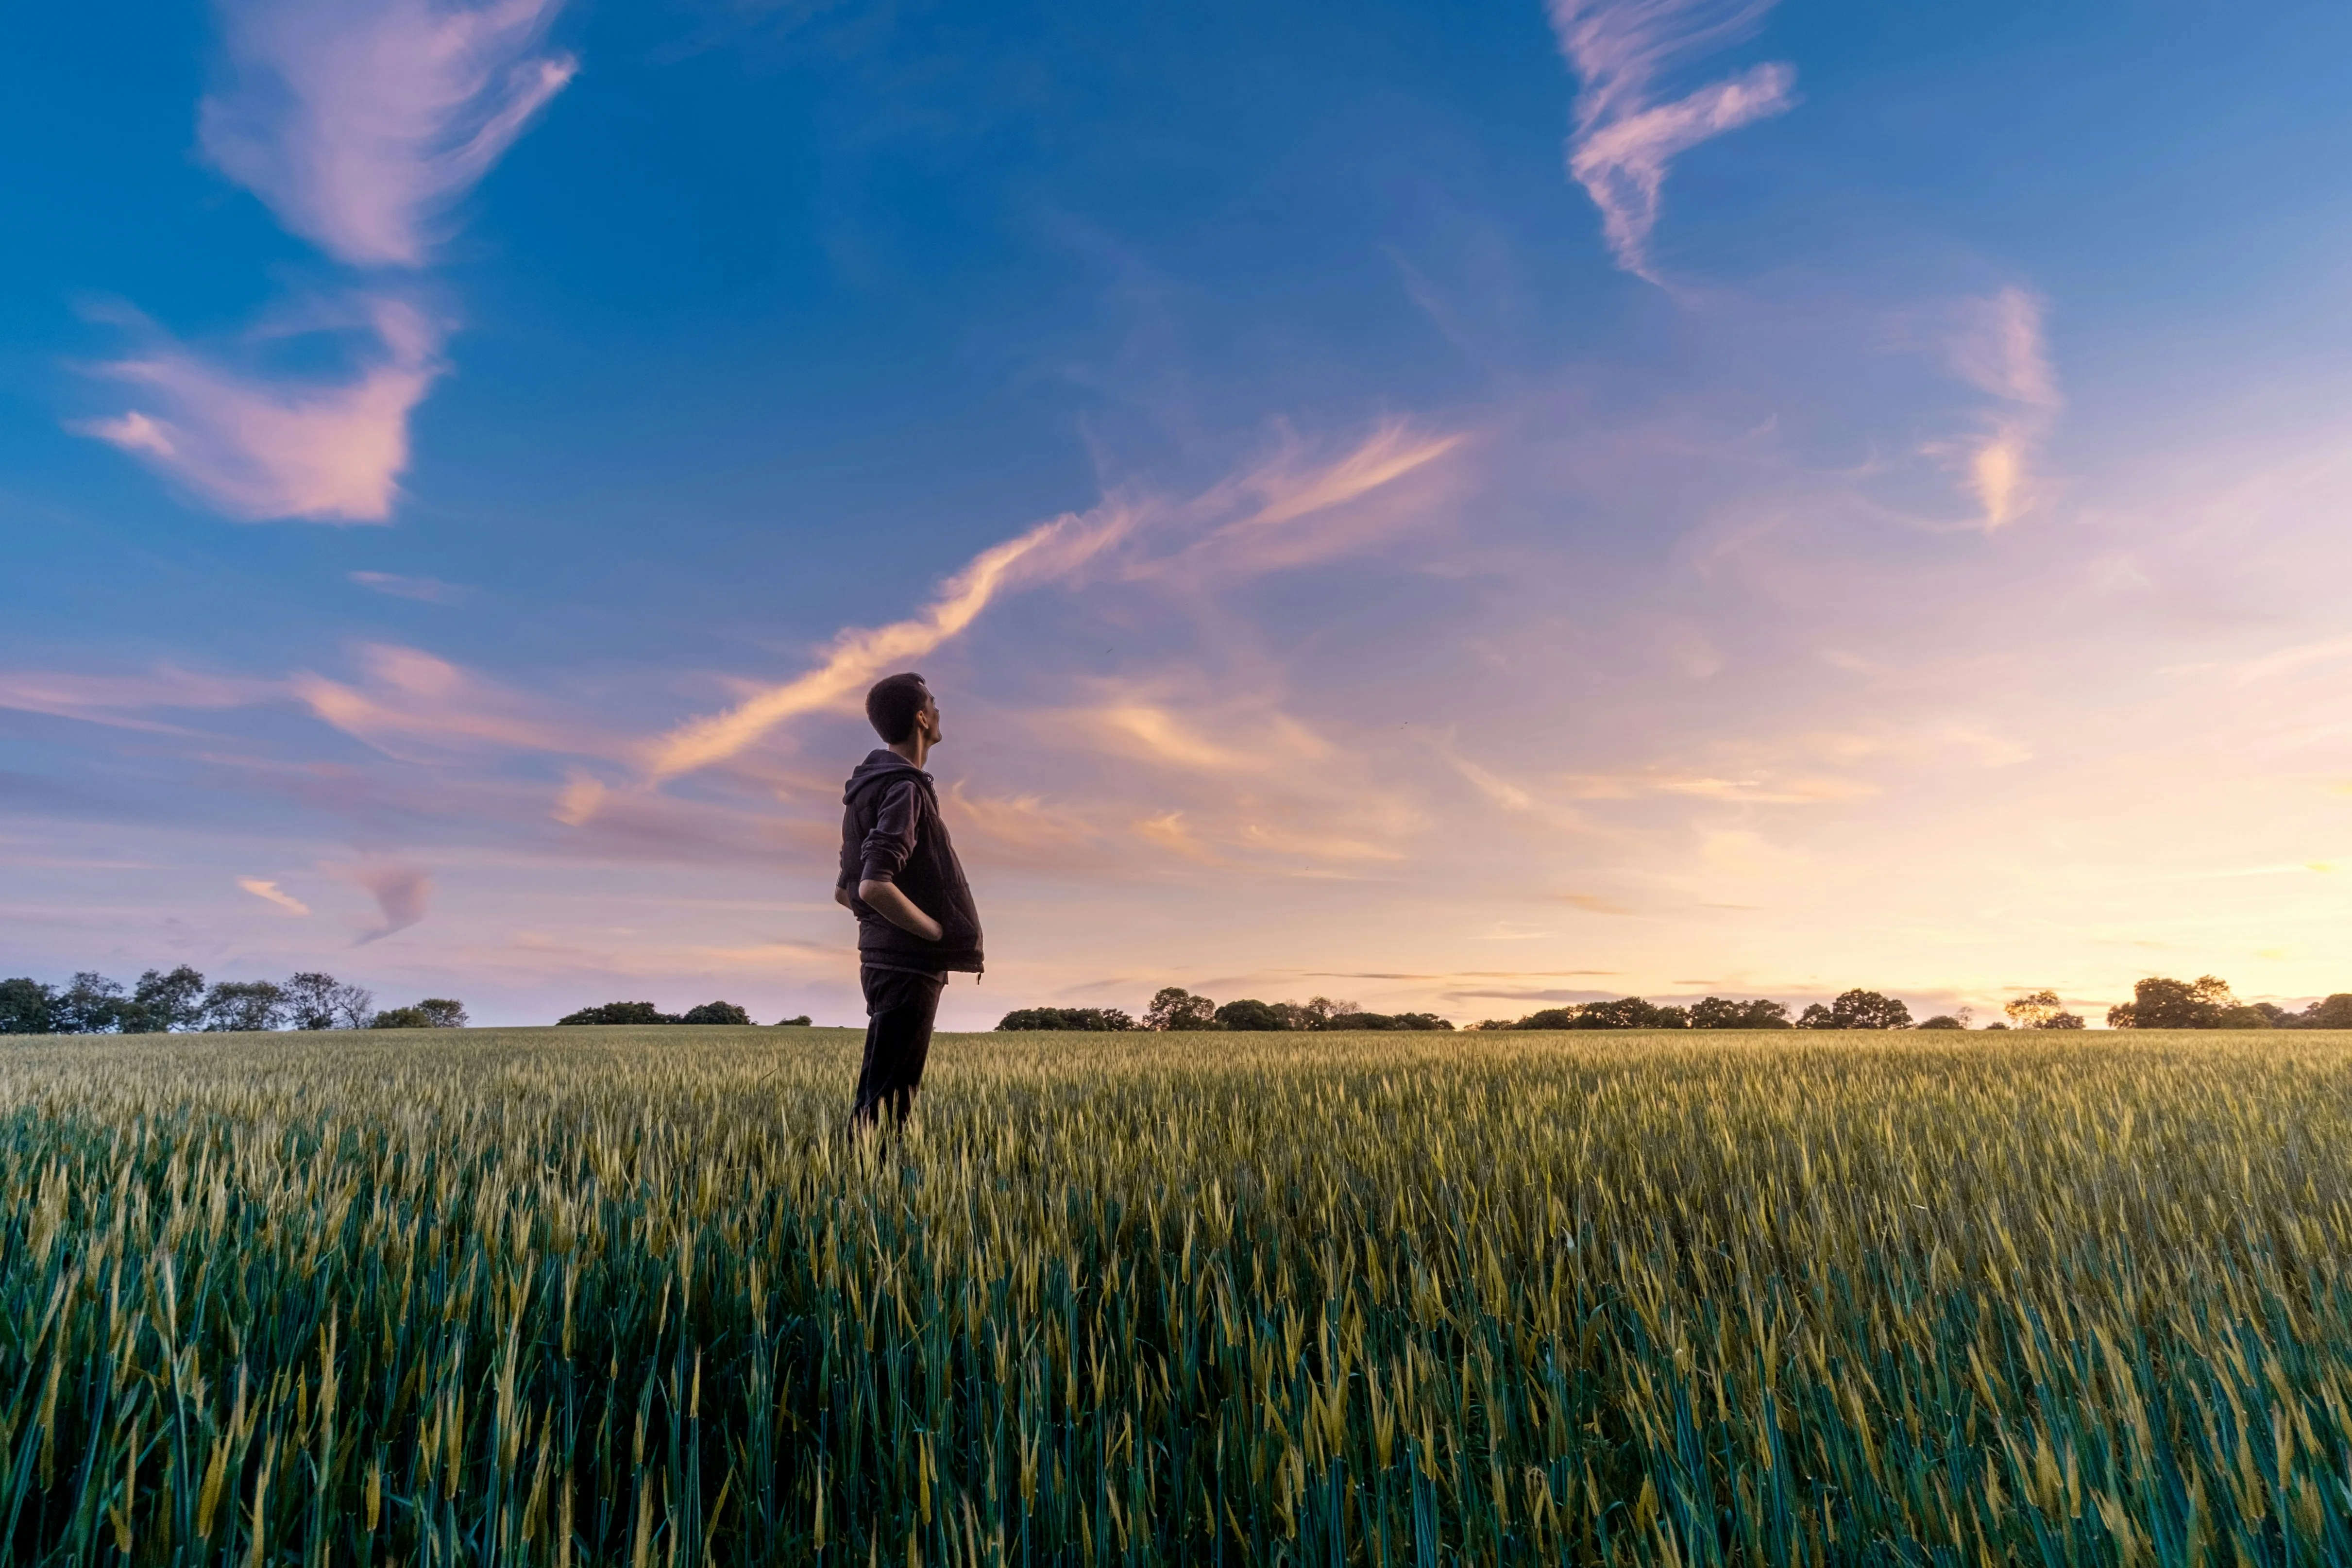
point(892, 704)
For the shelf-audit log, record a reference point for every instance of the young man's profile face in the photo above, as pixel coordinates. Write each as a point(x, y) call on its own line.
point(927, 721)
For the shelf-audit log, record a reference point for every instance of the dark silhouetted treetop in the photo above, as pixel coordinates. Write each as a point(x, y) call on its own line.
point(1857, 1010)
point(1174, 1008)
point(800, 1023)
point(1629, 1012)
point(432, 1012)
point(1093, 1020)
point(162, 1003)
point(1386, 1022)
point(1722, 1012)
point(241, 1005)
point(2161, 1003)
point(1251, 1014)
point(91, 1005)
point(314, 1001)
point(27, 1007)
point(1941, 1020)
point(617, 1013)
point(166, 1002)
point(716, 1012)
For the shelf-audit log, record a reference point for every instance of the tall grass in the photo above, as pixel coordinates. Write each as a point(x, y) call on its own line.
point(610, 1296)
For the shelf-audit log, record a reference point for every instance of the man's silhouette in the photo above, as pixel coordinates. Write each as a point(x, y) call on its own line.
point(900, 876)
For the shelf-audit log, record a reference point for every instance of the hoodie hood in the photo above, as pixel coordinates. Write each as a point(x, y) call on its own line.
point(880, 764)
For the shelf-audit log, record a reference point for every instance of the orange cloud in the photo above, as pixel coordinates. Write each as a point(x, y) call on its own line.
point(269, 892)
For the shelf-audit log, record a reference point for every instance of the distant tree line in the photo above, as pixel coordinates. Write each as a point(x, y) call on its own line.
point(1852, 1009)
point(646, 1012)
point(179, 1001)
point(1178, 1009)
point(2158, 1003)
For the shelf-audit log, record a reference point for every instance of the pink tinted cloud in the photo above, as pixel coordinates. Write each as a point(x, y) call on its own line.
point(1625, 139)
point(361, 121)
point(259, 447)
point(401, 892)
point(412, 703)
point(115, 699)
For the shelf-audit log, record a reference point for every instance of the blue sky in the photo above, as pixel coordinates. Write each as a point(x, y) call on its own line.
point(1452, 507)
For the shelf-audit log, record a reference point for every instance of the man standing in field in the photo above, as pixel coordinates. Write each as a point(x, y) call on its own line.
point(900, 876)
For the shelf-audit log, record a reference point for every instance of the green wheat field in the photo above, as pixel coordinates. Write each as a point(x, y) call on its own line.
point(615, 1296)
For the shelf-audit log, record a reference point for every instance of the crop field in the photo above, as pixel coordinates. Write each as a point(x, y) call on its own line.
point(617, 1296)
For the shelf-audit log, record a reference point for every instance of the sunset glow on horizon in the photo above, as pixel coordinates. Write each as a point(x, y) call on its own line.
point(1459, 510)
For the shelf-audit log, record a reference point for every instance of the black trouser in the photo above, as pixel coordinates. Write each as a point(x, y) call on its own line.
point(900, 1007)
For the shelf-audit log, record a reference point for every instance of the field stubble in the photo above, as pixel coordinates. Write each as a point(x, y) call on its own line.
point(630, 1296)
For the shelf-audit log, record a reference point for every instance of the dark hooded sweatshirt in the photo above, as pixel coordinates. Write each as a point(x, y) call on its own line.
point(891, 831)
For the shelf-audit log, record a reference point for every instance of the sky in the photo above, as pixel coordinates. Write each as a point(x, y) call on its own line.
point(1462, 507)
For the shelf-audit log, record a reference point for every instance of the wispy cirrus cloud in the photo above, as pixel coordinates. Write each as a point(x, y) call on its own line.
point(1625, 138)
point(360, 123)
point(412, 703)
point(861, 654)
point(1282, 493)
point(424, 590)
point(1999, 347)
point(257, 446)
point(116, 700)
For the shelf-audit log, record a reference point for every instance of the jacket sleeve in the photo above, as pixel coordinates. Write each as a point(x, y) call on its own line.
point(892, 837)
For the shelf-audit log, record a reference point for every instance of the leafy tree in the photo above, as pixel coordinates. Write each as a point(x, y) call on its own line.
point(1250, 1014)
point(354, 1005)
point(1175, 1008)
point(716, 1012)
point(2334, 1012)
point(1816, 1015)
point(613, 1013)
point(432, 1012)
point(310, 999)
point(2040, 1009)
point(1315, 1012)
point(1629, 1012)
point(800, 1023)
point(91, 1005)
point(1868, 1009)
point(2243, 1017)
point(1942, 1021)
point(1550, 1018)
point(234, 1004)
point(160, 1002)
point(1386, 1022)
point(2027, 1012)
point(1096, 1021)
point(1720, 1012)
point(2161, 1003)
point(27, 1007)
